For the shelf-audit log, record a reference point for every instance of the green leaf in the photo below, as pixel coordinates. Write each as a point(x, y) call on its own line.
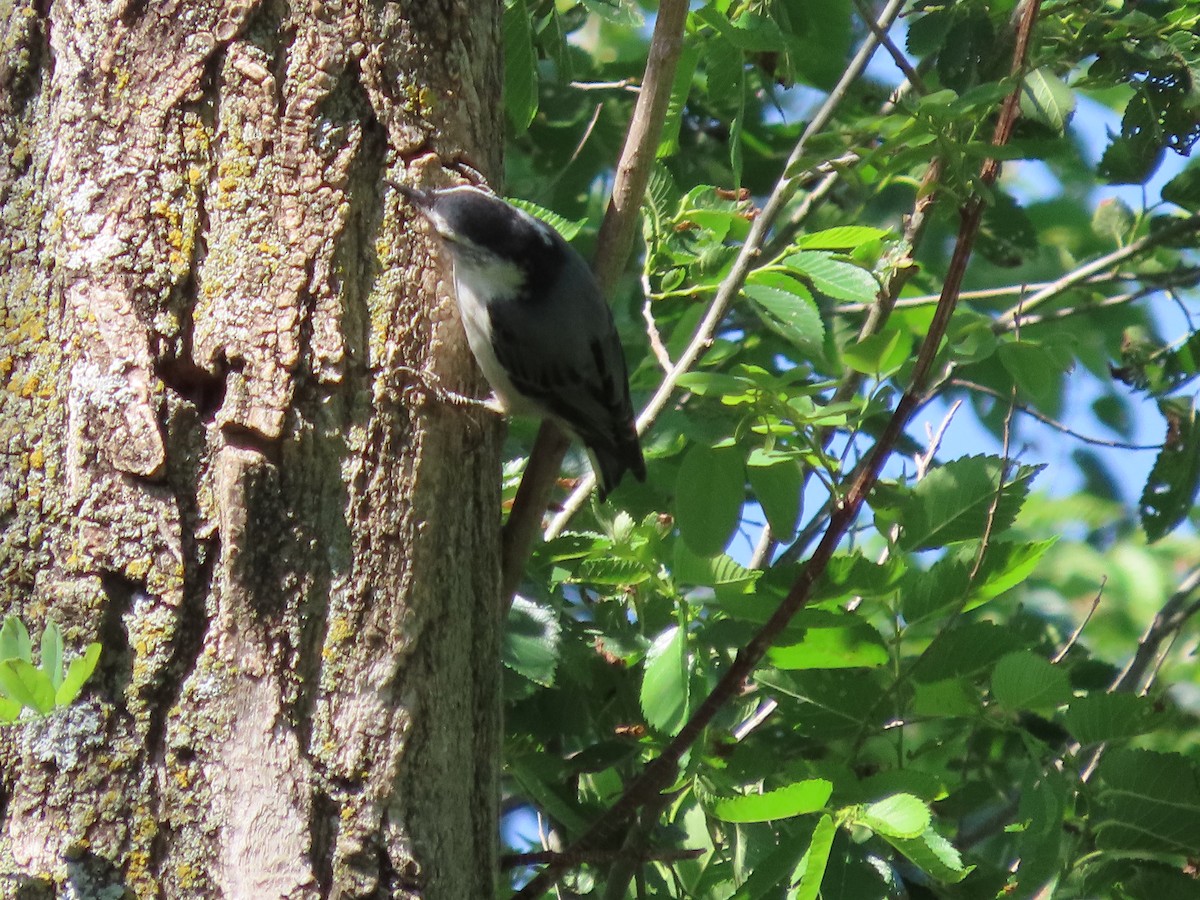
point(1046, 99)
point(531, 640)
point(709, 493)
point(843, 237)
point(78, 672)
point(811, 871)
point(1036, 371)
point(10, 710)
point(30, 687)
point(667, 681)
point(965, 650)
point(520, 66)
point(1098, 718)
point(14, 640)
point(777, 480)
point(531, 775)
point(831, 641)
point(879, 354)
point(1113, 219)
point(934, 855)
point(52, 654)
point(768, 873)
point(954, 502)
point(1174, 480)
point(833, 277)
point(1004, 566)
point(1024, 680)
point(1184, 189)
point(719, 572)
point(796, 799)
point(897, 816)
point(924, 593)
point(568, 228)
point(1148, 802)
point(787, 306)
point(618, 12)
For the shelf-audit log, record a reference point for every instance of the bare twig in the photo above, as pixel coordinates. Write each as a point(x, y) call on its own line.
point(1080, 275)
point(732, 284)
point(656, 345)
point(1053, 423)
point(1074, 638)
point(661, 771)
point(612, 251)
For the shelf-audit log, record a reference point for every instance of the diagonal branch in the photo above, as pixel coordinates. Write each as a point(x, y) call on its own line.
point(612, 251)
point(751, 250)
point(661, 771)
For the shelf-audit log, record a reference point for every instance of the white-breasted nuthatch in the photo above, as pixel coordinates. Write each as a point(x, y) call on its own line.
point(537, 324)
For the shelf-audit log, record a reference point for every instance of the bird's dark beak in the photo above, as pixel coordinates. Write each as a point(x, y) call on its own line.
point(422, 200)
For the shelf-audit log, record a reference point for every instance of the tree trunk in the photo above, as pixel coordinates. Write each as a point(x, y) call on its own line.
point(213, 463)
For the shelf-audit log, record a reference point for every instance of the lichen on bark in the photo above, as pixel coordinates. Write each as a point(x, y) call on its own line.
point(212, 463)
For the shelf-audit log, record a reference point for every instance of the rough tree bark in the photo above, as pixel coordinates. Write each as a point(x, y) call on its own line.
point(210, 463)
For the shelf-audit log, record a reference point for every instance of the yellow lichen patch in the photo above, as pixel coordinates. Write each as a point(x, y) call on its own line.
point(188, 875)
point(37, 459)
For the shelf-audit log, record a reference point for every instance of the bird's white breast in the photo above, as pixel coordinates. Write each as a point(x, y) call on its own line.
point(474, 280)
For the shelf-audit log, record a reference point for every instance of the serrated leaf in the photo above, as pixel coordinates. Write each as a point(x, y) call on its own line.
point(30, 687)
point(520, 66)
point(1097, 718)
point(14, 640)
point(777, 481)
point(1024, 680)
point(709, 493)
point(954, 502)
point(811, 871)
point(531, 640)
point(796, 799)
point(1174, 481)
point(568, 228)
point(666, 682)
point(897, 816)
point(833, 277)
point(964, 651)
point(787, 306)
point(840, 641)
point(720, 572)
point(1004, 566)
point(1046, 99)
point(924, 593)
point(843, 237)
point(1148, 801)
point(934, 855)
point(611, 570)
point(78, 672)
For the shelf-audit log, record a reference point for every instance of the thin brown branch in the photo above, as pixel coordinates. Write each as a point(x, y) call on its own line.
point(1080, 275)
point(1075, 635)
point(661, 771)
point(1053, 423)
point(612, 252)
point(751, 250)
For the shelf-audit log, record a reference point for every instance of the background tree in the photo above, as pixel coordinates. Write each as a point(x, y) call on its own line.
point(869, 630)
point(213, 466)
